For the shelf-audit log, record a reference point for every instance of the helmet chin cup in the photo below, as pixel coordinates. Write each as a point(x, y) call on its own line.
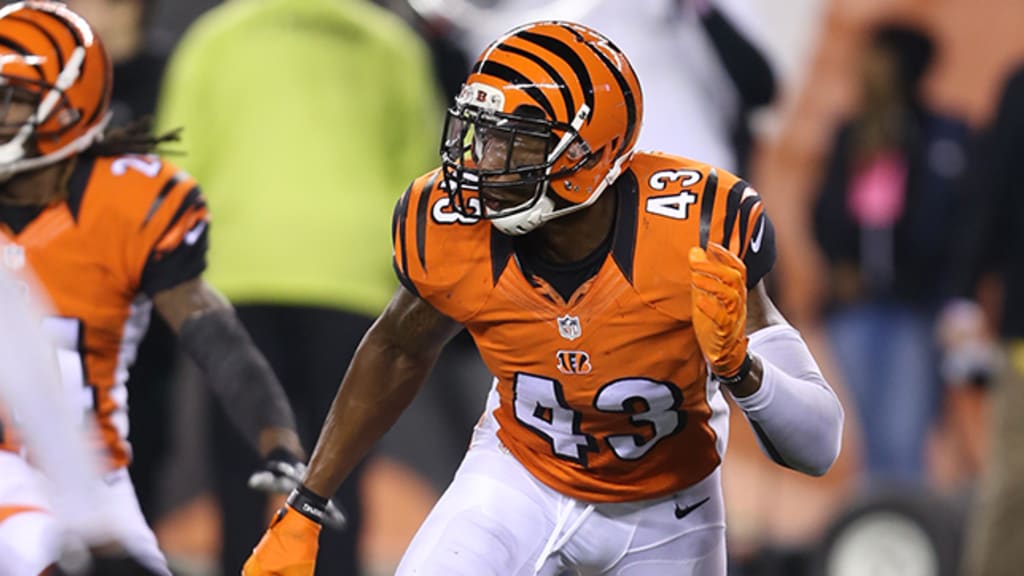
point(527, 220)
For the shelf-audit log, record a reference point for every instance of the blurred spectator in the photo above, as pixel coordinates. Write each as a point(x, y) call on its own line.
point(431, 435)
point(882, 219)
point(702, 70)
point(138, 67)
point(993, 243)
point(703, 74)
point(451, 63)
point(306, 119)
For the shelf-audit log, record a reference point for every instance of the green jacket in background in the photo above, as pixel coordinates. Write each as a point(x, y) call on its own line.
point(304, 121)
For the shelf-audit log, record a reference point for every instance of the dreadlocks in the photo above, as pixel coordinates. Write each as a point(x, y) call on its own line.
point(134, 138)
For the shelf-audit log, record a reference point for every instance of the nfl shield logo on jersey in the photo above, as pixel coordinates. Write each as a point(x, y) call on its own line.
point(569, 327)
point(14, 257)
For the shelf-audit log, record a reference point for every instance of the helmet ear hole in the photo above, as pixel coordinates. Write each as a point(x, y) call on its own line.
point(595, 158)
point(69, 116)
point(577, 150)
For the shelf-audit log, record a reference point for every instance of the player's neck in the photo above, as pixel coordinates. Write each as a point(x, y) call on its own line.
point(38, 187)
point(574, 237)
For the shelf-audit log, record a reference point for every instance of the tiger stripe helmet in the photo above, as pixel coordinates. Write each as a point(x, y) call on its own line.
point(52, 54)
point(558, 81)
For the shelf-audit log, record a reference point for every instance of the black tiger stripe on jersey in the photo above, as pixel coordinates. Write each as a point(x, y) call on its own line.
point(422, 208)
point(563, 51)
point(401, 212)
point(624, 243)
point(193, 199)
point(732, 206)
point(745, 207)
point(499, 70)
point(570, 105)
point(160, 197)
point(77, 182)
point(501, 253)
point(707, 206)
point(396, 215)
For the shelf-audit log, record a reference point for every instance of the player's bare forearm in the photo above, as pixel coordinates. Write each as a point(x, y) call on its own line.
point(389, 367)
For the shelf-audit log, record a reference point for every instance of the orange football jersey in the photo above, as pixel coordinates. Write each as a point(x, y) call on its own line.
point(604, 397)
point(130, 227)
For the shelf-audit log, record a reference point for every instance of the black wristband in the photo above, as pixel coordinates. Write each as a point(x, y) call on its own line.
point(308, 503)
point(743, 372)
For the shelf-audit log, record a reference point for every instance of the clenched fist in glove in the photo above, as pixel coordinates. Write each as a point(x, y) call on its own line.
point(718, 281)
point(290, 545)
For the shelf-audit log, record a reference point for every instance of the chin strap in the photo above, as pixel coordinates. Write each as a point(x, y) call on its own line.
point(544, 210)
point(11, 167)
point(527, 220)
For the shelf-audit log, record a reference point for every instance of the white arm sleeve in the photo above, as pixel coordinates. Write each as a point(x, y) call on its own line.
point(31, 387)
point(797, 417)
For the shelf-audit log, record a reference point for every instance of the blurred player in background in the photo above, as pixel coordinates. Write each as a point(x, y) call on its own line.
point(612, 293)
point(139, 62)
point(305, 167)
point(110, 231)
point(39, 520)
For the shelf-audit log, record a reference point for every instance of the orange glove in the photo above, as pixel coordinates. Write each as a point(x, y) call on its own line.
point(718, 288)
point(288, 548)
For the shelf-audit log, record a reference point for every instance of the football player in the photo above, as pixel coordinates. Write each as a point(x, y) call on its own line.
point(110, 230)
point(34, 528)
point(613, 293)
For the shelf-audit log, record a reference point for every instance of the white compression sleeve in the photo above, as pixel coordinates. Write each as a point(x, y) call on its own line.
point(31, 387)
point(796, 415)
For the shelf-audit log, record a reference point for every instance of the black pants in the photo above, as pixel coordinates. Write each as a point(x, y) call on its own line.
point(149, 385)
point(309, 349)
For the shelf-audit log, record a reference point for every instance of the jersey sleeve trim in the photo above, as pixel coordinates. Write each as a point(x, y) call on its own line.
point(404, 280)
point(707, 207)
point(179, 253)
point(192, 201)
point(759, 262)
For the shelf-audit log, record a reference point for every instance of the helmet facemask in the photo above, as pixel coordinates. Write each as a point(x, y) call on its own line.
point(560, 94)
point(499, 166)
point(19, 134)
point(43, 64)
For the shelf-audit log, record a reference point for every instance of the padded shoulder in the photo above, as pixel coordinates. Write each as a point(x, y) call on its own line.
point(681, 203)
point(141, 191)
point(450, 260)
